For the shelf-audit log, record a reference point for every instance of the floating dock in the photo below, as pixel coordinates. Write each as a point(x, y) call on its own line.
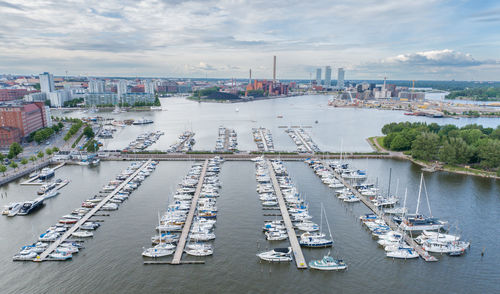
point(424, 254)
point(44, 255)
point(187, 225)
point(30, 181)
point(182, 144)
point(297, 250)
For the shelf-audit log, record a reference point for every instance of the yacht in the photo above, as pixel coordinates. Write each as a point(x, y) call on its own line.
point(46, 173)
point(30, 206)
point(445, 247)
point(328, 263)
point(142, 122)
point(277, 255)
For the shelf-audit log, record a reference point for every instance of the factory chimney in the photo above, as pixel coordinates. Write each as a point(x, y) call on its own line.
point(274, 71)
point(250, 78)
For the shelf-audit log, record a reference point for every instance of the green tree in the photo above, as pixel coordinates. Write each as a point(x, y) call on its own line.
point(13, 164)
point(400, 143)
point(48, 151)
point(40, 154)
point(88, 132)
point(425, 146)
point(55, 149)
point(33, 158)
point(61, 125)
point(3, 169)
point(15, 149)
point(455, 151)
point(489, 153)
point(2, 157)
point(471, 136)
point(24, 161)
point(92, 146)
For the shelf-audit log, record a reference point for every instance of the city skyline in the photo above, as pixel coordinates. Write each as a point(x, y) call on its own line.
point(428, 40)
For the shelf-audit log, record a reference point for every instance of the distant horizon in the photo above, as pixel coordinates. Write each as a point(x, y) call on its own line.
point(242, 79)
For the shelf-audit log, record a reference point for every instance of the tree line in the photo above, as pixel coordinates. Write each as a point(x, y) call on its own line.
point(478, 94)
point(472, 144)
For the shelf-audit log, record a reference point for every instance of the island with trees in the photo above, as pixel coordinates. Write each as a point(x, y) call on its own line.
point(469, 148)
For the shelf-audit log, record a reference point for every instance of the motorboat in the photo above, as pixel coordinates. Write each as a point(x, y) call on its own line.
point(199, 251)
point(12, 209)
point(307, 226)
point(48, 237)
point(60, 255)
point(156, 251)
point(436, 237)
point(82, 234)
point(276, 235)
point(109, 207)
point(402, 253)
point(328, 263)
point(202, 236)
point(26, 255)
point(277, 255)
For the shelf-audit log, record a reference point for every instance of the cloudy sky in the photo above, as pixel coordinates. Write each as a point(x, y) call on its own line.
point(400, 39)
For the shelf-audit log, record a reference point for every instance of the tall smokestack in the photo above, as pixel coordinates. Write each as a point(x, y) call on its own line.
point(250, 78)
point(274, 71)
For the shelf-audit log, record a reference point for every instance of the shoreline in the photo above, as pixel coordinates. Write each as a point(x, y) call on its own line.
point(373, 141)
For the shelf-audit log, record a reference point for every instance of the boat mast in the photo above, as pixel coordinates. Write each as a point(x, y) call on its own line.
point(326, 219)
point(427, 198)
point(389, 189)
point(419, 192)
point(321, 222)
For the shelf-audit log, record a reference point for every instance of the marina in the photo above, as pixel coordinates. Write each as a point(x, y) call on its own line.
point(264, 139)
point(303, 141)
point(184, 143)
point(189, 220)
point(73, 229)
point(227, 140)
point(297, 250)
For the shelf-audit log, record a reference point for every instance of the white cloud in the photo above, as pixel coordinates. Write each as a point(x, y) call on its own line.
point(227, 37)
point(445, 57)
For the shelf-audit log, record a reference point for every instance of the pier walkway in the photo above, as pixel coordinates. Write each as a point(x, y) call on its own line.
point(183, 143)
point(43, 256)
point(187, 225)
point(424, 254)
point(297, 250)
point(306, 144)
point(264, 141)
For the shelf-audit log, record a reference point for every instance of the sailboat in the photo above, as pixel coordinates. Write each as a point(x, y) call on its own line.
point(420, 222)
point(309, 239)
point(160, 250)
point(401, 250)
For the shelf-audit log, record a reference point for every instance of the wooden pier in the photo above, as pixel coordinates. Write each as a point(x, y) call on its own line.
point(297, 250)
point(187, 225)
point(424, 254)
point(44, 255)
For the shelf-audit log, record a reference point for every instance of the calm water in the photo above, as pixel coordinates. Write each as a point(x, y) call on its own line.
point(351, 126)
point(111, 261)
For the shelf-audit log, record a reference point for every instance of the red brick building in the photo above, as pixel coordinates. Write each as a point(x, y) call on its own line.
point(26, 118)
point(9, 135)
point(12, 94)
